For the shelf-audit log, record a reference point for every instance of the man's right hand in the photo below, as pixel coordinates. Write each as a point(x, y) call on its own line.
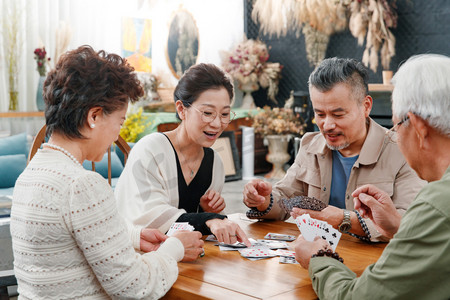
point(257, 194)
point(375, 204)
point(192, 242)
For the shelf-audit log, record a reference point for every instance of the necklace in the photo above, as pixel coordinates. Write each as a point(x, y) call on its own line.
point(191, 174)
point(67, 153)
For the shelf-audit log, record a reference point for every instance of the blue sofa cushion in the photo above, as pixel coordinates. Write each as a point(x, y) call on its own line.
point(11, 166)
point(102, 166)
point(15, 144)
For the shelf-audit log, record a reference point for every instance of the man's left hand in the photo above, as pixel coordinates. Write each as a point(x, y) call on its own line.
point(330, 214)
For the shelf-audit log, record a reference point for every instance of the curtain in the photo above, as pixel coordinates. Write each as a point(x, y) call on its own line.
point(93, 22)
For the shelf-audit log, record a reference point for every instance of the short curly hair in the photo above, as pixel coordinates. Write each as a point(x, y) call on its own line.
point(81, 80)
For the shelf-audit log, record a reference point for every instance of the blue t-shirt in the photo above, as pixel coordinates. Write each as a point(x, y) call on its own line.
point(342, 166)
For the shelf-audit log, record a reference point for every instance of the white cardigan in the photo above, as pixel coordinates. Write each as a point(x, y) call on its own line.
point(147, 190)
point(70, 242)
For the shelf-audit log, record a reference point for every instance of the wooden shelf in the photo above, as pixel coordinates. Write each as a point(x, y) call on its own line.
point(21, 114)
point(379, 87)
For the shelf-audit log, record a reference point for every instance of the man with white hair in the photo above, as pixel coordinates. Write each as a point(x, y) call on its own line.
point(416, 262)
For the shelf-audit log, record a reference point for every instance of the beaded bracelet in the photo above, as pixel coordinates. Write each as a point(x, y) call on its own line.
point(328, 253)
point(364, 227)
point(254, 213)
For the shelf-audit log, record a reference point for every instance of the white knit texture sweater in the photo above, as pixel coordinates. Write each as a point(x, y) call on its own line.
point(70, 242)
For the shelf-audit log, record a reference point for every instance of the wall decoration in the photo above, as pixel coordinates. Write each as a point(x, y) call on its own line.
point(182, 42)
point(226, 147)
point(137, 43)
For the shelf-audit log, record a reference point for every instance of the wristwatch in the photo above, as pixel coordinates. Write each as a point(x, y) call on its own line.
point(346, 224)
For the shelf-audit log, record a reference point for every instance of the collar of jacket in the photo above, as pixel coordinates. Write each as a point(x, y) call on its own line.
point(371, 150)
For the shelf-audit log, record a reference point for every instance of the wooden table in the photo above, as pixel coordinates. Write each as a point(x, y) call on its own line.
point(228, 275)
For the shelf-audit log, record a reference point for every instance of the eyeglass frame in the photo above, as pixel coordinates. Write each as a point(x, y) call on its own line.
point(232, 114)
point(395, 128)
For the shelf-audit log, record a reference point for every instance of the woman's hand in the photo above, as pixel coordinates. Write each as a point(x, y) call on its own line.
point(227, 232)
point(304, 249)
point(212, 202)
point(151, 239)
point(192, 242)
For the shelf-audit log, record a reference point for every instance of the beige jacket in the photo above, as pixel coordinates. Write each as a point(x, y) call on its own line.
point(380, 163)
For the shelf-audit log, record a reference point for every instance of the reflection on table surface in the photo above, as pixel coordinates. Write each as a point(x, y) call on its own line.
point(226, 274)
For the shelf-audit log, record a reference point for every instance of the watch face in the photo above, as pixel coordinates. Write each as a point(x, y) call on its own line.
point(344, 227)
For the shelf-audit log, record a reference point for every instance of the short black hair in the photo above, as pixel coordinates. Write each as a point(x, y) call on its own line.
point(199, 78)
point(83, 79)
point(332, 71)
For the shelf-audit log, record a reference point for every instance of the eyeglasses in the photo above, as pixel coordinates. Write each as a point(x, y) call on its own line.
point(390, 132)
point(209, 115)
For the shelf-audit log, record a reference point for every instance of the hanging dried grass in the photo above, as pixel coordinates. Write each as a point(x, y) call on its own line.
point(63, 35)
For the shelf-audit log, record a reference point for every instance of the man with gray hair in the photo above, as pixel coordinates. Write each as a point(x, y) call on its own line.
point(416, 262)
point(349, 151)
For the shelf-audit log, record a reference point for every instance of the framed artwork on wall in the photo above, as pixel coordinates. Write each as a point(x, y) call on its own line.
point(137, 43)
point(182, 42)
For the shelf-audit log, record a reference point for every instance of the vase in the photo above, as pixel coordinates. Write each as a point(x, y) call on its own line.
point(39, 94)
point(248, 87)
point(278, 155)
point(13, 100)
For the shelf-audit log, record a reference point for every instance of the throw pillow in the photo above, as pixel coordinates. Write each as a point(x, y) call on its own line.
point(15, 144)
point(11, 166)
point(102, 166)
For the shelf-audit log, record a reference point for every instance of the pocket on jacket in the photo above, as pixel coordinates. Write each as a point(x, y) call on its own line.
point(387, 187)
point(309, 176)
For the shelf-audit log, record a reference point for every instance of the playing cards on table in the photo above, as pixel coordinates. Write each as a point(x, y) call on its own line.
point(310, 228)
point(179, 226)
point(304, 202)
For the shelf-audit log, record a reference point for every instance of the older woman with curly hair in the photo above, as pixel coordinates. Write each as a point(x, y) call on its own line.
point(68, 238)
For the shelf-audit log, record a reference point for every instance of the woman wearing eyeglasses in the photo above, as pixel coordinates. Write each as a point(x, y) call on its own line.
point(175, 176)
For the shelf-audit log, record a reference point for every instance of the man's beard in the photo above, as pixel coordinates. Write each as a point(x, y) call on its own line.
point(339, 147)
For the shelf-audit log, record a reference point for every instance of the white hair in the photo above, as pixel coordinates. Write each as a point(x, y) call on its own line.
point(422, 86)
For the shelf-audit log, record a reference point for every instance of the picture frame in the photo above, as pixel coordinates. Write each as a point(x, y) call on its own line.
point(226, 147)
point(182, 43)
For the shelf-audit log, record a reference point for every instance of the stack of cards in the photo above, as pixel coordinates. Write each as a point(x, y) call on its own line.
point(179, 226)
point(310, 228)
point(304, 202)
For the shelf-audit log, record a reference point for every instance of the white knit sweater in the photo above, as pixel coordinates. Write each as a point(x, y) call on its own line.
point(70, 242)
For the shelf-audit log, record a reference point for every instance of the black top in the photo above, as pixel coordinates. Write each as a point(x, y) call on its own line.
point(189, 195)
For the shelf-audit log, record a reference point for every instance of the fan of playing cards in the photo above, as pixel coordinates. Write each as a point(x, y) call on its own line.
point(304, 202)
point(310, 228)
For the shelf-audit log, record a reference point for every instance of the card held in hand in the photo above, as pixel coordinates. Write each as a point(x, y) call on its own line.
point(304, 202)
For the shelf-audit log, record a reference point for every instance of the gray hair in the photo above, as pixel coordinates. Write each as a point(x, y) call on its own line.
point(332, 71)
point(422, 86)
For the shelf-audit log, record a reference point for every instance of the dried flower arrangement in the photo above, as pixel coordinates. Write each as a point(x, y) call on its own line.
point(278, 121)
point(248, 63)
point(41, 60)
point(368, 20)
point(134, 124)
point(11, 23)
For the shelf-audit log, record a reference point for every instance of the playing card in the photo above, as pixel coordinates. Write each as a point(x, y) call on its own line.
point(287, 260)
point(304, 202)
point(179, 226)
point(273, 244)
point(235, 245)
point(257, 252)
point(279, 237)
point(282, 252)
point(310, 228)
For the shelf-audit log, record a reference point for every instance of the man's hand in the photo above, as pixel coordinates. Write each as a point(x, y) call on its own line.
point(227, 232)
point(151, 239)
point(192, 242)
point(330, 214)
point(304, 249)
point(375, 204)
point(212, 202)
point(257, 194)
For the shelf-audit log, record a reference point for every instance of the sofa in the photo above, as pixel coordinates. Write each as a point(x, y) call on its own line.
point(13, 160)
